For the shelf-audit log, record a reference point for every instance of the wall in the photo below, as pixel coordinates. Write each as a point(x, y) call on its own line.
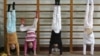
point(27, 8)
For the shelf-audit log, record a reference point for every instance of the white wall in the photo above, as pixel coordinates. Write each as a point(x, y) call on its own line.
point(46, 19)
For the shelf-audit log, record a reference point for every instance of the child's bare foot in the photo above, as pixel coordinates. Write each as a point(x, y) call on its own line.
point(22, 20)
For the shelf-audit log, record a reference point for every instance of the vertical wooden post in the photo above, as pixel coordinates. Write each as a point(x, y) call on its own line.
point(38, 27)
point(5, 31)
point(71, 26)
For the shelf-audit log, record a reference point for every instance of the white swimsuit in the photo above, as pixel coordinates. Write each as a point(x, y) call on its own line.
point(56, 23)
point(88, 23)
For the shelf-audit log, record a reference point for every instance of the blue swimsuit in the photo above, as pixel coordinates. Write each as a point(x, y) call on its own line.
point(11, 22)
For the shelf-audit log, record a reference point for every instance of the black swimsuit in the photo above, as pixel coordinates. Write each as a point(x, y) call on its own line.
point(55, 39)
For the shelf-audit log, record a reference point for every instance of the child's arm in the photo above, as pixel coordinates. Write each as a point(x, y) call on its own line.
point(22, 27)
point(35, 23)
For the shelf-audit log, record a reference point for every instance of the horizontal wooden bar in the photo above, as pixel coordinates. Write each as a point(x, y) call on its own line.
point(45, 24)
point(52, 11)
point(62, 17)
point(53, 4)
point(61, 38)
point(44, 17)
point(62, 24)
point(83, 24)
point(46, 38)
point(67, 31)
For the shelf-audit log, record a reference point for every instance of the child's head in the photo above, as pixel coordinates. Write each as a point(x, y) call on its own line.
point(12, 46)
point(30, 44)
point(55, 45)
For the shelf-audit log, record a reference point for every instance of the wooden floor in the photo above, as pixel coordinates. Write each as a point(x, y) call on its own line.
point(76, 53)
